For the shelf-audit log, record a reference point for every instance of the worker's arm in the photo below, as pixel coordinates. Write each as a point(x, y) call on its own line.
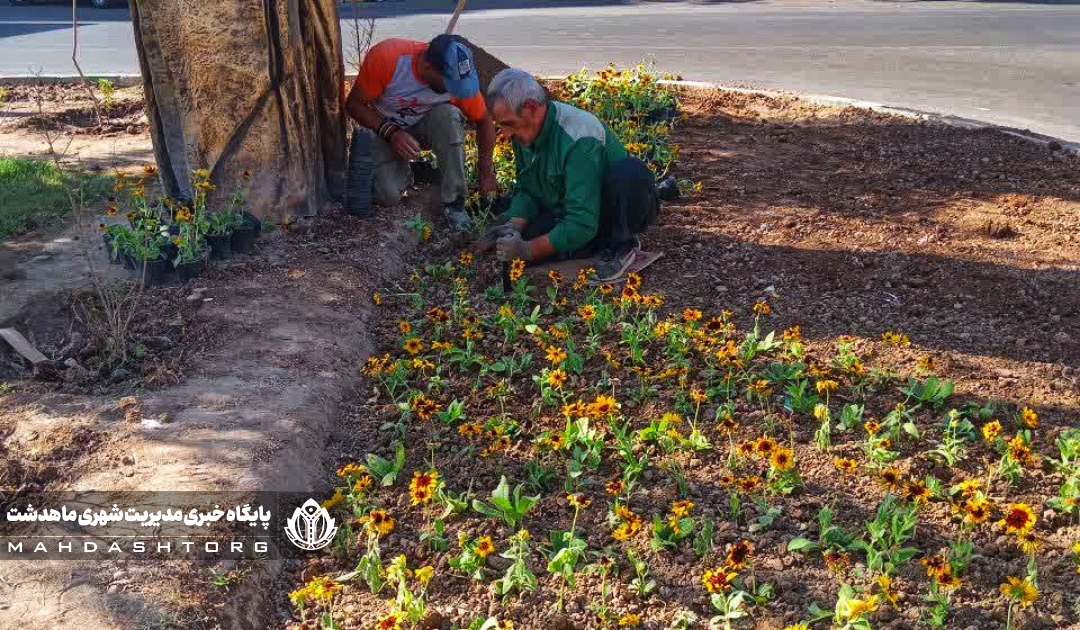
point(361, 109)
point(362, 112)
point(485, 147)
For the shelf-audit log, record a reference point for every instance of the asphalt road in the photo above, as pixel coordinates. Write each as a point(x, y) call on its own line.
point(1011, 63)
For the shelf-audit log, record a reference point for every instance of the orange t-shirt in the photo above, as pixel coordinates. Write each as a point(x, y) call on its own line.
point(390, 80)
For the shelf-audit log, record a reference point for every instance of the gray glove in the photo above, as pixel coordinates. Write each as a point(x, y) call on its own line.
point(494, 233)
point(511, 246)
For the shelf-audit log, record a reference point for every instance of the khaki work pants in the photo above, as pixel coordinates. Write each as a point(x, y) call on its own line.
point(441, 130)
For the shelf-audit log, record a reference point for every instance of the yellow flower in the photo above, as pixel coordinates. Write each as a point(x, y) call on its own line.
point(484, 546)
point(845, 464)
point(517, 267)
point(555, 355)
point(629, 620)
point(376, 298)
point(1029, 417)
point(405, 327)
point(739, 555)
point(557, 378)
point(1021, 591)
point(783, 459)
point(718, 580)
point(587, 313)
point(389, 621)
point(886, 589)
point(977, 511)
point(465, 258)
point(859, 607)
point(1018, 519)
point(691, 315)
point(413, 346)
point(379, 522)
point(826, 386)
point(422, 487)
point(681, 509)
point(334, 501)
point(603, 407)
point(424, 575)
point(578, 501)
point(351, 469)
point(1029, 543)
point(991, 430)
point(896, 339)
point(762, 308)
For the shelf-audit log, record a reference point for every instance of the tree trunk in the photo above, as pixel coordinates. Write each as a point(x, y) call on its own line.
point(246, 85)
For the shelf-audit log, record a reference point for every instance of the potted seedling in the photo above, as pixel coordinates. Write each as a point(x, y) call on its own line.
point(246, 226)
point(192, 253)
point(220, 234)
point(149, 261)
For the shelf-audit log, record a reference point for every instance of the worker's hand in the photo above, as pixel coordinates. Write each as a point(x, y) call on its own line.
point(487, 241)
point(489, 186)
point(405, 145)
point(511, 247)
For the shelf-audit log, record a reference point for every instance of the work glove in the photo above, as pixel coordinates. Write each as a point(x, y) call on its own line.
point(493, 233)
point(511, 246)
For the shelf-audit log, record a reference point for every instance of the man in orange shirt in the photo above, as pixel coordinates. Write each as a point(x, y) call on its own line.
point(412, 95)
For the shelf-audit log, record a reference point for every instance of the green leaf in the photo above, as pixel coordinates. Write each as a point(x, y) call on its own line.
point(802, 544)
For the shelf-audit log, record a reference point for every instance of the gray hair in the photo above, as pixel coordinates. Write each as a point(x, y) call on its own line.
point(515, 87)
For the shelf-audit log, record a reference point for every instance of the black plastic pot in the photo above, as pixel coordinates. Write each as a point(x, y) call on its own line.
point(361, 174)
point(426, 173)
point(248, 220)
point(171, 252)
point(662, 115)
point(127, 260)
point(156, 272)
point(110, 249)
point(193, 269)
point(243, 240)
point(220, 245)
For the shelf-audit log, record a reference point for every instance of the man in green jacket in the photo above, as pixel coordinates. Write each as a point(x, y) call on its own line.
point(579, 192)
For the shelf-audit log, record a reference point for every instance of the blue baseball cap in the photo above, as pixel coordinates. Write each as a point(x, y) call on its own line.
point(450, 55)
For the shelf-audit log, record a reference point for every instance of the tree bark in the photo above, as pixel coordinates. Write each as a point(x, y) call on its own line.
point(246, 85)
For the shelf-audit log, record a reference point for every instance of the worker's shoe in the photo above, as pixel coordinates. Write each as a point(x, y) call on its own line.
point(609, 266)
point(456, 215)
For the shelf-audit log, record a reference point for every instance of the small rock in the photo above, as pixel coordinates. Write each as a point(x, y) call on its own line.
point(129, 472)
point(433, 621)
point(1062, 337)
point(1054, 145)
point(114, 589)
point(131, 130)
point(561, 622)
point(119, 374)
point(128, 460)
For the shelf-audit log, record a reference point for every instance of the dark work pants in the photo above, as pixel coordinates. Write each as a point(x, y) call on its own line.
point(628, 205)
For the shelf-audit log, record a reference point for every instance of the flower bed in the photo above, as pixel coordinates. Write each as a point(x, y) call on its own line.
point(565, 448)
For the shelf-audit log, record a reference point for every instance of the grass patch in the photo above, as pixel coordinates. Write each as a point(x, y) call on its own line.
point(34, 194)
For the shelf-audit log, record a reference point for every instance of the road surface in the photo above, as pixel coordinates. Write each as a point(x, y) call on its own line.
point(1010, 63)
